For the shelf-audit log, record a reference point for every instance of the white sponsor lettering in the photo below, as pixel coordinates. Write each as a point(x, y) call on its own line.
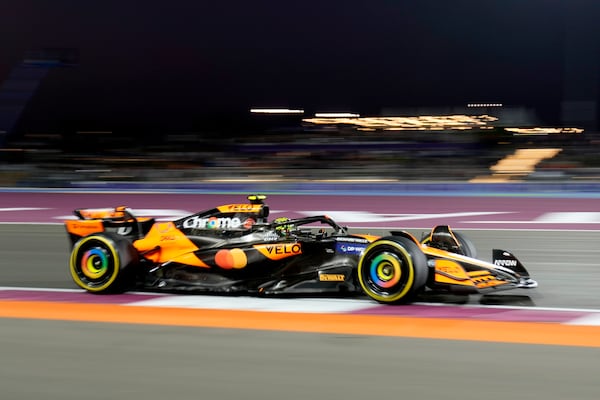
point(271, 236)
point(506, 263)
point(353, 240)
point(124, 230)
point(212, 223)
point(351, 249)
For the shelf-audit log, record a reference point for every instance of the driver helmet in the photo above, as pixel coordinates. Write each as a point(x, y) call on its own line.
point(283, 229)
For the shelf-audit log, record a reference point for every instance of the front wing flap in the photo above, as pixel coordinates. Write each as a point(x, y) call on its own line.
point(460, 273)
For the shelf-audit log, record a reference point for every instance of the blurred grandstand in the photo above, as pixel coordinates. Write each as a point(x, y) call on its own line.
point(445, 148)
point(480, 142)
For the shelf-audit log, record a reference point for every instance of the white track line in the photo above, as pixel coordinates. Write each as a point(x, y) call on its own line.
point(278, 304)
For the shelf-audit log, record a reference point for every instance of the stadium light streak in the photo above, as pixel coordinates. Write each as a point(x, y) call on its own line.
point(544, 131)
point(423, 122)
point(337, 115)
point(276, 111)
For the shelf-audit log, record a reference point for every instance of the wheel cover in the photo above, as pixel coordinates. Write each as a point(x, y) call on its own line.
point(386, 272)
point(94, 263)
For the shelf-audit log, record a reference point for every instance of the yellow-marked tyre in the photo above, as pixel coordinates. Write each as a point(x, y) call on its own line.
point(392, 270)
point(103, 263)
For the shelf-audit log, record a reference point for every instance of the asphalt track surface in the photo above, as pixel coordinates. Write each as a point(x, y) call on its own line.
point(59, 359)
point(71, 359)
point(565, 263)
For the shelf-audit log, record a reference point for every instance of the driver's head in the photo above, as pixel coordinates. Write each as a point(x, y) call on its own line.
point(281, 227)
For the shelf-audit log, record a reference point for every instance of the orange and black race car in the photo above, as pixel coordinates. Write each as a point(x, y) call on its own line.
point(234, 248)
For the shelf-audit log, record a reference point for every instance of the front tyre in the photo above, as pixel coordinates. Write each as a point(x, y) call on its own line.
point(466, 245)
point(467, 248)
point(103, 263)
point(392, 270)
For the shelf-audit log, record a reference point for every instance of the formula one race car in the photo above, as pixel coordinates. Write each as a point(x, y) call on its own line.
point(235, 249)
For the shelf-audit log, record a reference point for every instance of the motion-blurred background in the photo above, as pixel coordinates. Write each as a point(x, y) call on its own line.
point(188, 91)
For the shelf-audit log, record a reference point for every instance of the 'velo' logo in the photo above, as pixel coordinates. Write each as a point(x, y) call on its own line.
point(284, 249)
point(279, 251)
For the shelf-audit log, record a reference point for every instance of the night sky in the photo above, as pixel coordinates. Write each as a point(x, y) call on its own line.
point(181, 65)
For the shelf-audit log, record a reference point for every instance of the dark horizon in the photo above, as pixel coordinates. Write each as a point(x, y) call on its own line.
point(186, 66)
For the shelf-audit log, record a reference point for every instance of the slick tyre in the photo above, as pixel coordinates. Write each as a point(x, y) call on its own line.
point(467, 246)
point(103, 263)
point(392, 270)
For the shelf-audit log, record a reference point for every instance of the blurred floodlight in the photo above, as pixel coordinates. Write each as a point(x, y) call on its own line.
point(421, 122)
point(337, 115)
point(276, 111)
point(484, 105)
point(544, 131)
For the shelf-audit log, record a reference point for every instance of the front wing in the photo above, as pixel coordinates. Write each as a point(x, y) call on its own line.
point(458, 273)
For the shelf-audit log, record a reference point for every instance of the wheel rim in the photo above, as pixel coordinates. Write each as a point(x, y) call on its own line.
point(94, 264)
point(386, 271)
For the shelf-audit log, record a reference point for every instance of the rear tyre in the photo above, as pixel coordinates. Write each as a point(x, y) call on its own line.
point(392, 270)
point(103, 263)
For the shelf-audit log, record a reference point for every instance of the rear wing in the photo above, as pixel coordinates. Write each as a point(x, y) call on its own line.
point(119, 213)
point(119, 220)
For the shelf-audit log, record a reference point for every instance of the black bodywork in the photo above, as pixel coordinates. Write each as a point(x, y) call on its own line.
point(323, 258)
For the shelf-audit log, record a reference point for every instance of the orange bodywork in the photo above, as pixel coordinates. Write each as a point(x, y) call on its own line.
point(240, 208)
point(99, 213)
point(370, 238)
point(84, 227)
point(451, 271)
point(164, 242)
